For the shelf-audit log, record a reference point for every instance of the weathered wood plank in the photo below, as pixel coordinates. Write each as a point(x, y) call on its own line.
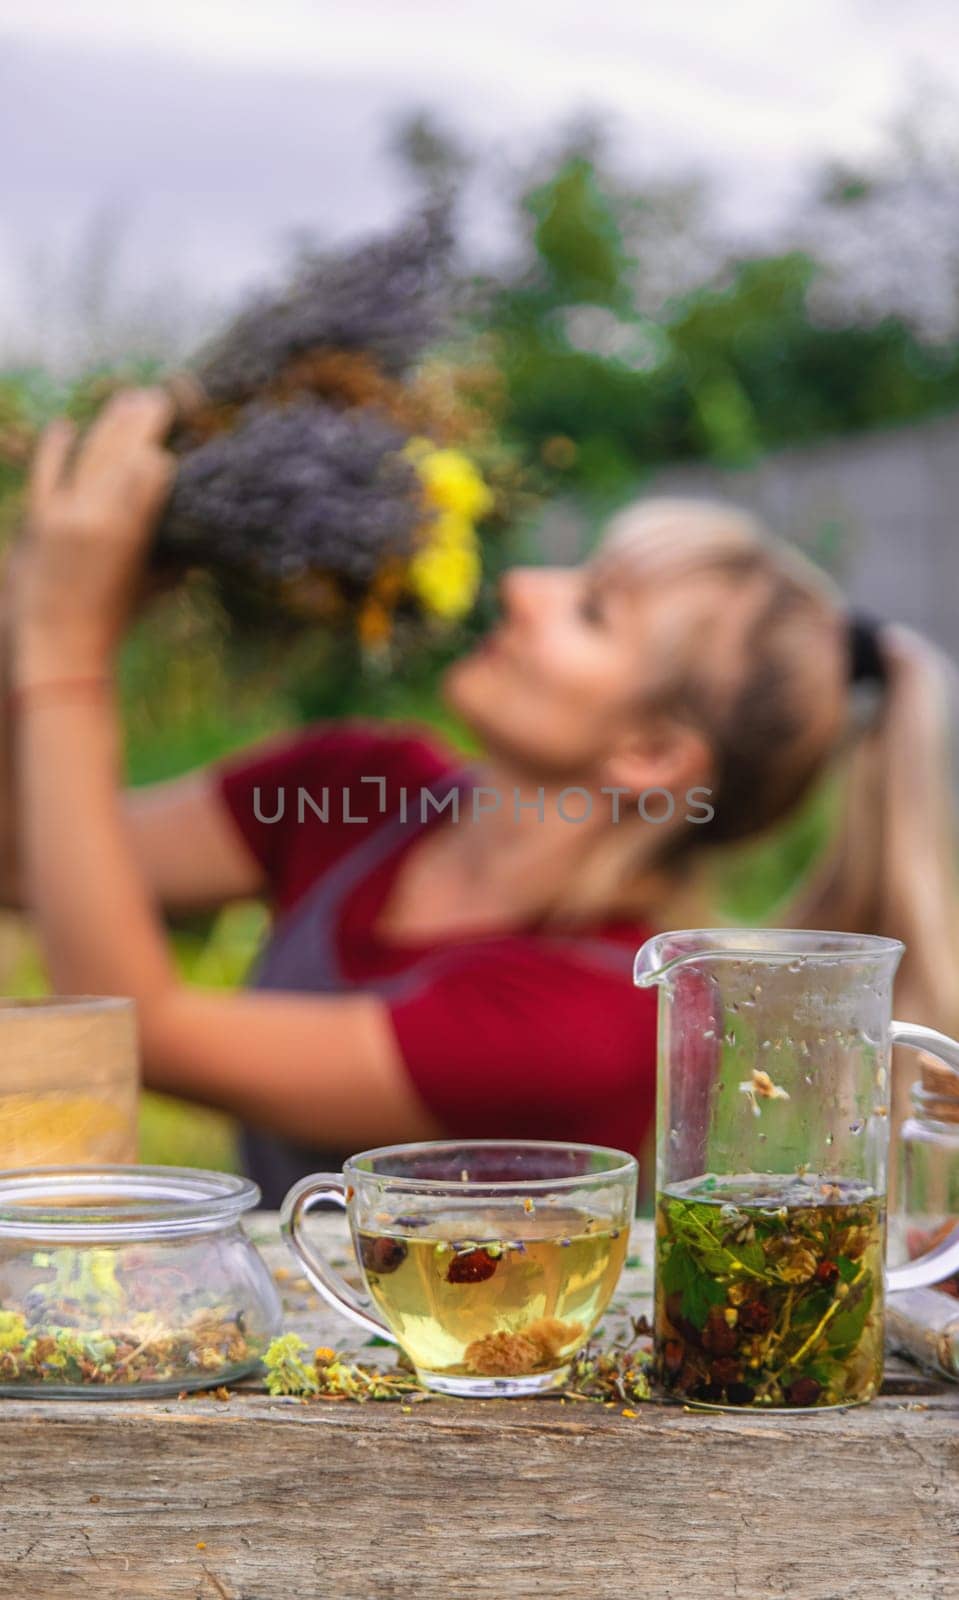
point(261, 1499)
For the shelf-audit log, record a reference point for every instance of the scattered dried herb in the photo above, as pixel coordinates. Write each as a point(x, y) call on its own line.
point(618, 1373)
point(286, 1372)
point(330, 1376)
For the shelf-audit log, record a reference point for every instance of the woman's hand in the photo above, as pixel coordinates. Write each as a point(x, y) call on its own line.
point(89, 519)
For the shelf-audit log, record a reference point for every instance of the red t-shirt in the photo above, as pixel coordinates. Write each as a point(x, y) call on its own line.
point(527, 1033)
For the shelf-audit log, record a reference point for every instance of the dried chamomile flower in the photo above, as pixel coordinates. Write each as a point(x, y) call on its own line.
point(761, 1087)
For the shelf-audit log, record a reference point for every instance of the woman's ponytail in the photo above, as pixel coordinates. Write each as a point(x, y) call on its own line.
point(892, 869)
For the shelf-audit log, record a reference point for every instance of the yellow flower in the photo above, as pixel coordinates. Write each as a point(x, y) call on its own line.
point(445, 572)
point(450, 480)
point(13, 1330)
point(103, 1273)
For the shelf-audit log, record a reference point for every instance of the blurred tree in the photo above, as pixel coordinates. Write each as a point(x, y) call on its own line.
point(430, 152)
point(608, 373)
point(887, 233)
point(578, 240)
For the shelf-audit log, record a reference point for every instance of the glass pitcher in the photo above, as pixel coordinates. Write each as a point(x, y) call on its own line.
point(774, 1085)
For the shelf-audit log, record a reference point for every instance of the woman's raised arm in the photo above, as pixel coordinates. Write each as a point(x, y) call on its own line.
point(323, 1070)
point(186, 845)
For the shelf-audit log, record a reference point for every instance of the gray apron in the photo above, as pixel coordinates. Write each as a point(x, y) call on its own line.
point(301, 957)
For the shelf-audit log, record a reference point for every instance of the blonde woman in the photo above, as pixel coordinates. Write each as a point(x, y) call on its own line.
point(462, 968)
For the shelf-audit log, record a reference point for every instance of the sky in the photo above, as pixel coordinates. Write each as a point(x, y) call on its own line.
point(177, 148)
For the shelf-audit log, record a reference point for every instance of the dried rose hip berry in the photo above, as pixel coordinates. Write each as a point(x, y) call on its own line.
point(755, 1317)
point(382, 1255)
point(718, 1337)
point(827, 1272)
point(672, 1355)
point(674, 1311)
point(471, 1266)
point(706, 1391)
point(803, 1392)
point(740, 1394)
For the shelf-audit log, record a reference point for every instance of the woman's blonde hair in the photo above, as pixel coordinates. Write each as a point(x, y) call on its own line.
point(778, 713)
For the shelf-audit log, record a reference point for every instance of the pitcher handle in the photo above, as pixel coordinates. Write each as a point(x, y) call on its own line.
point(325, 1188)
point(943, 1260)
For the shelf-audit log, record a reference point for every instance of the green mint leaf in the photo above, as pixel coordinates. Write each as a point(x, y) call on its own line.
point(847, 1326)
point(699, 1297)
point(678, 1270)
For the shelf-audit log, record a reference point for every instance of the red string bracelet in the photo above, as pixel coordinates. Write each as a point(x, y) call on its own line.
point(56, 689)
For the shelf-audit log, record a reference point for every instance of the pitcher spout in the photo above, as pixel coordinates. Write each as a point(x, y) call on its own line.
point(659, 957)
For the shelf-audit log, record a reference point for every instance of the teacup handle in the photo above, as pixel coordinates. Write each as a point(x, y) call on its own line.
point(325, 1188)
point(943, 1260)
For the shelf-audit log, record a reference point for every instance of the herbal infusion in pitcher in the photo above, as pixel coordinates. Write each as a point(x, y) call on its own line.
point(464, 1300)
point(769, 1291)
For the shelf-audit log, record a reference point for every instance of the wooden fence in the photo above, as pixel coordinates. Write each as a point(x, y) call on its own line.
point(882, 510)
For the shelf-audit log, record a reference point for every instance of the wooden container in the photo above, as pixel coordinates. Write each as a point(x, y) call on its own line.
point(69, 1081)
point(941, 1086)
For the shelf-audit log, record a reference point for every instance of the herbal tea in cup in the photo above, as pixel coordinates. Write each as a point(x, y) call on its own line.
point(490, 1263)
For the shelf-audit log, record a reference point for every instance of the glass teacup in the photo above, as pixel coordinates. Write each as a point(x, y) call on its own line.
point(489, 1262)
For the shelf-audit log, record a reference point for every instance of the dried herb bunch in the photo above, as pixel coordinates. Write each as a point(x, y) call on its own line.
point(329, 467)
point(95, 1321)
point(769, 1292)
point(389, 299)
point(331, 487)
point(311, 475)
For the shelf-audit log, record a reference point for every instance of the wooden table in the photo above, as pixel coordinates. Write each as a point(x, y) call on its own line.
point(260, 1499)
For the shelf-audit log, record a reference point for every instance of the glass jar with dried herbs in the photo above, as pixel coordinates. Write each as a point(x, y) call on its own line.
point(128, 1281)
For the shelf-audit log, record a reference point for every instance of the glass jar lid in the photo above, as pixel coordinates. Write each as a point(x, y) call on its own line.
point(82, 1205)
